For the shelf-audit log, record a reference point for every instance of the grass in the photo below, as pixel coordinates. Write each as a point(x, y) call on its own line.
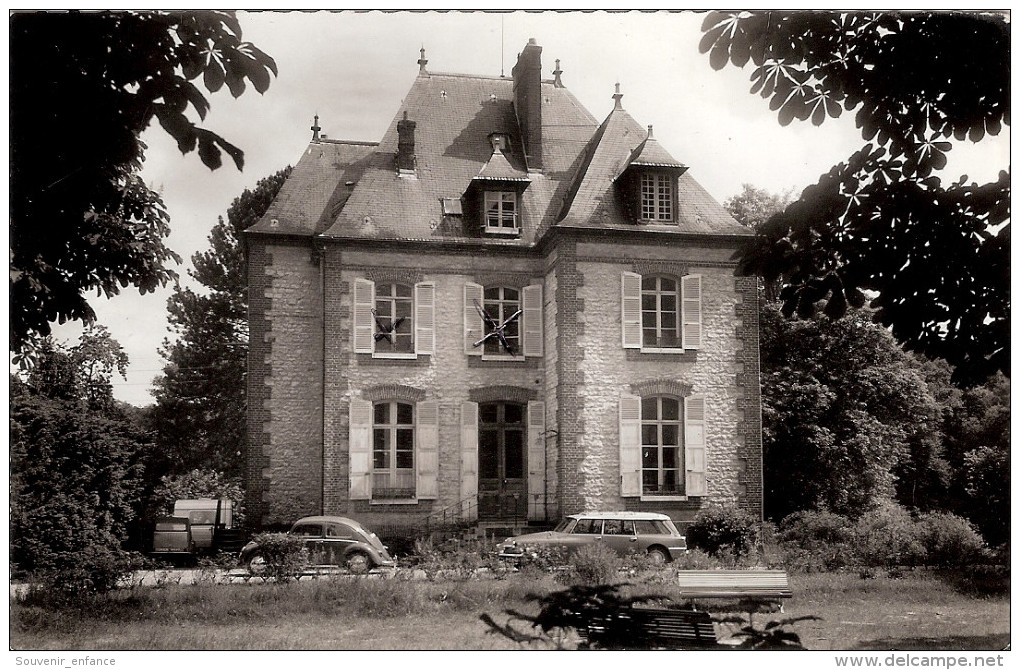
point(918, 611)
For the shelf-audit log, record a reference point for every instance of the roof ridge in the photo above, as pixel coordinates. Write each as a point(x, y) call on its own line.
point(463, 75)
point(361, 143)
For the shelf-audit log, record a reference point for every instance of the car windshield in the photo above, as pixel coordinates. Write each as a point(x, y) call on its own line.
point(565, 525)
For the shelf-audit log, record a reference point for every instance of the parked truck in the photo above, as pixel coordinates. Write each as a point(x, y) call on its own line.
point(197, 526)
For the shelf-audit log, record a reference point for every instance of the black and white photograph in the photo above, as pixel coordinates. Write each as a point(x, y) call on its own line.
point(378, 332)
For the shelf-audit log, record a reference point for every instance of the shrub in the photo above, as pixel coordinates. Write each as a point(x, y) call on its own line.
point(595, 564)
point(695, 559)
point(813, 541)
point(948, 540)
point(77, 578)
point(284, 555)
point(718, 530)
point(887, 537)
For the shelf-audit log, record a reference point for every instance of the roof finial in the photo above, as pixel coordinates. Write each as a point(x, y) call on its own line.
point(315, 129)
point(556, 73)
point(422, 62)
point(650, 136)
point(617, 97)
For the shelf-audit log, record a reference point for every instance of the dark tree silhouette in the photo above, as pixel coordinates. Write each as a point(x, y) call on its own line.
point(934, 255)
point(83, 86)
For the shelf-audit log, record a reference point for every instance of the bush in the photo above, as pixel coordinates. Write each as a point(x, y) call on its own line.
point(76, 579)
point(595, 564)
point(718, 530)
point(813, 541)
point(948, 540)
point(284, 555)
point(887, 537)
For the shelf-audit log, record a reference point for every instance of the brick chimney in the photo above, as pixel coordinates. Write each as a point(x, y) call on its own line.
point(405, 145)
point(527, 76)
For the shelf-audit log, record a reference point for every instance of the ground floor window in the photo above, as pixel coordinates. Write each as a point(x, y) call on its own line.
point(661, 448)
point(393, 450)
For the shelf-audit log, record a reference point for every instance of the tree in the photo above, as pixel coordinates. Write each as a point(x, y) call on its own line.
point(76, 467)
point(845, 410)
point(199, 415)
point(752, 208)
point(934, 255)
point(83, 87)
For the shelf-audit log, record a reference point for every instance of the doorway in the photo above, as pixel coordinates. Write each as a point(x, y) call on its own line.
point(502, 484)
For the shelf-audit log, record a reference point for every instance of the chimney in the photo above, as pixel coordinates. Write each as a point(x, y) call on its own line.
point(527, 76)
point(405, 145)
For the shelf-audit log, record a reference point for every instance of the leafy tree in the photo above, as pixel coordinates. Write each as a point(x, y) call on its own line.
point(83, 87)
point(199, 415)
point(935, 254)
point(752, 208)
point(75, 469)
point(845, 409)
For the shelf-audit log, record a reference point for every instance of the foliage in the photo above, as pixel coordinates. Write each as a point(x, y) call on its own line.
point(595, 564)
point(199, 415)
point(752, 208)
point(83, 88)
point(848, 406)
point(948, 540)
point(197, 484)
point(774, 635)
point(75, 480)
point(881, 220)
point(887, 537)
point(721, 529)
point(815, 541)
point(283, 555)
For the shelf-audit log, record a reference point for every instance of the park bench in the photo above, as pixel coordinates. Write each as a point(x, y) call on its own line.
point(643, 628)
point(749, 585)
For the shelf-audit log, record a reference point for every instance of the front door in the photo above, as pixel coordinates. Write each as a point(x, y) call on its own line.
point(502, 487)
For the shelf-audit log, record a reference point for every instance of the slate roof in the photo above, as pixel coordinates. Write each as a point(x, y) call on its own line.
point(352, 190)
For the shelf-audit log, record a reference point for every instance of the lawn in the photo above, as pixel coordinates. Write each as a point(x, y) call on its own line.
point(917, 611)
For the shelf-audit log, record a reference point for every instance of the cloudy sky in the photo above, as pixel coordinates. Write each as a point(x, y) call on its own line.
point(352, 69)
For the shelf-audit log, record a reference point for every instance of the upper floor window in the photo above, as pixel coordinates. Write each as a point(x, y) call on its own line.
point(656, 197)
point(394, 320)
point(394, 316)
point(501, 213)
point(503, 305)
point(661, 313)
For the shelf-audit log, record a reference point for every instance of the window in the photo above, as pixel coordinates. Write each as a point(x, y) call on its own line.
point(660, 312)
point(501, 213)
point(656, 197)
point(502, 303)
point(393, 450)
point(395, 320)
point(661, 458)
point(662, 446)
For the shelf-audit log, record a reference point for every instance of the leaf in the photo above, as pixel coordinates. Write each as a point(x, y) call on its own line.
point(213, 76)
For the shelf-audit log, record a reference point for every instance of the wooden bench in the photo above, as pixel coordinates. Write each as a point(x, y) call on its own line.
point(647, 628)
point(744, 585)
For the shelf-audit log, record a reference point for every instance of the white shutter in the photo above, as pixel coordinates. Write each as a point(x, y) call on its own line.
point(364, 321)
point(426, 452)
point(536, 460)
point(691, 294)
point(532, 327)
point(469, 459)
point(631, 316)
point(425, 318)
point(630, 446)
point(474, 326)
point(361, 449)
point(694, 445)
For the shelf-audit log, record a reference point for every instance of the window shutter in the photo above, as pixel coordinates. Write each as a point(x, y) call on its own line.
point(474, 326)
point(361, 449)
point(690, 287)
point(694, 445)
point(532, 327)
point(469, 459)
point(426, 442)
point(425, 318)
point(364, 321)
point(631, 317)
point(536, 460)
point(630, 446)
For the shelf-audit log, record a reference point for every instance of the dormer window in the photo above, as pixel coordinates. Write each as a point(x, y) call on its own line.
point(656, 197)
point(501, 213)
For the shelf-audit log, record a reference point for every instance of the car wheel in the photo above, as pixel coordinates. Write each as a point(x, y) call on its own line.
point(358, 563)
point(657, 556)
point(256, 564)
